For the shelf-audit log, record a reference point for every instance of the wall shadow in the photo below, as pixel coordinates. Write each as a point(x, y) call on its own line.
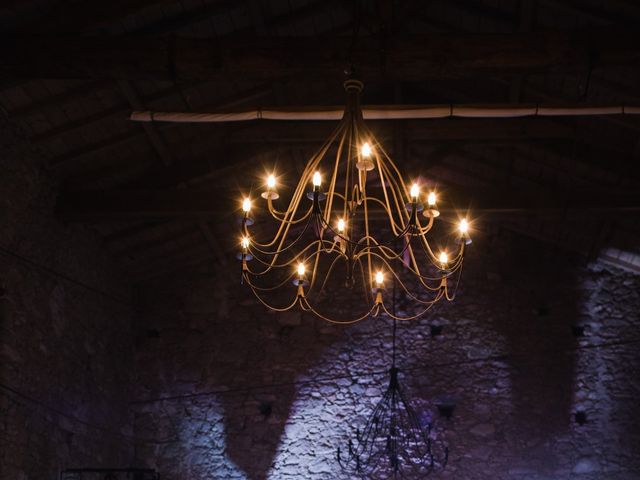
point(542, 297)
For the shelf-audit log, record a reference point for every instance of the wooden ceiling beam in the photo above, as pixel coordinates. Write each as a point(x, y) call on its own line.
point(408, 59)
point(216, 204)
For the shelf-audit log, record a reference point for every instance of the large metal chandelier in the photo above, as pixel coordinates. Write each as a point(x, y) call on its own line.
point(339, 241)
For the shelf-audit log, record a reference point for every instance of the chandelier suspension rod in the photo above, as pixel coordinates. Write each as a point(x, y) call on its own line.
point(389, 112)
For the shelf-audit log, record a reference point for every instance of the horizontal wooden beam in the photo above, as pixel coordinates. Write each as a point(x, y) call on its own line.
point(217, 204)
point(409, 59)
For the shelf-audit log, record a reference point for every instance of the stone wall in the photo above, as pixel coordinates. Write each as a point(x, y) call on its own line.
point(66, 348)
point(235, 392)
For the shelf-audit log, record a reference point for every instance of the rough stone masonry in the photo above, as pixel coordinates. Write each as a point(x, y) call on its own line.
point(537, 353)
point(66, 343)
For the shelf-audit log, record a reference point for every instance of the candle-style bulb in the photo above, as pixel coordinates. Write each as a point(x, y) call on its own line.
point(415, 192)
point(301, 269)
point(341, 225)
point(317, 179)
point(365, 150)
point(463, 226)
point(431, 199)
point(379, 278)
point(246, 205)
point(271, 181)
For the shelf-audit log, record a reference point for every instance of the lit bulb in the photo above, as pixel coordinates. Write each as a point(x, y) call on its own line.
point(301, 269)
point(245, 242)
point(444, 258)
point(316, 179)
point(415, 191)
point(431, 199)
point(271, 181)
point(379, 278)
point(366, 149)
point(246, 205)
point(463, 226)
point(341, 225)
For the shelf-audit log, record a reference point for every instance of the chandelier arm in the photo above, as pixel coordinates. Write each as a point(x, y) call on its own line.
point(297, 257)
point(332, 183)
point(404, 287)
point(283, 229)
point(304, 309)
point(397, 194)
point(368, 242)
point(331, 320)
point(426, 248)
point(330, 271)
point(394, 176)
point(415, 272)
point(413, 317)
point(315, 266)
point(403, 215)
point(377, 245)
point(431, 256)
point(397, 256)
point(271, 307)
point(274, 214)
point(396, 171)
point(276, 253)
point(359, 242)
point(395, 227)
point(424, 230)
point(455, 289)
point(272, 288)
point(387, 205)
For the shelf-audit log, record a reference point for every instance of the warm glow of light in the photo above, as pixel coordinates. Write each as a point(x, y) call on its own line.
point(431, 199)
point(341, 225)
point(379, 278)
point(271, 181)
point(415, 191)
point(366, 149)
point(301, 269)
point(463, 226)
point(443, 257)
point(317, 179)
point(246, 204)
point(245, 242)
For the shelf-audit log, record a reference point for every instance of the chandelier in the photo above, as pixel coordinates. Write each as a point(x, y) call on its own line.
point(352, 225)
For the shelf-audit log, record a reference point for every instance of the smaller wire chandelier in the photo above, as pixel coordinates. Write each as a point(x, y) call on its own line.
point(393, 441)
point(364, 226)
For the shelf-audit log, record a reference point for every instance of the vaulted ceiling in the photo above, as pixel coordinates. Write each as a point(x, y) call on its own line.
point(162, 195)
